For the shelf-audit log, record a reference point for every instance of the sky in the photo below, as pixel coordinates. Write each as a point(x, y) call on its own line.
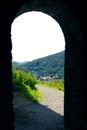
point(35, 35)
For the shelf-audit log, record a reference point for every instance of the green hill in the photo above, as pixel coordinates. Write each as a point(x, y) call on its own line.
point(52, 65)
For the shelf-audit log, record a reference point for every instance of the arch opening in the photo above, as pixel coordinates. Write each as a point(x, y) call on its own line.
point(43, 36)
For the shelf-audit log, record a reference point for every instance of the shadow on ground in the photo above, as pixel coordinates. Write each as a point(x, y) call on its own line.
point(35, 116)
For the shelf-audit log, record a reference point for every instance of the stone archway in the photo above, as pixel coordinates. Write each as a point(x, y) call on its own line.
point(72, 28)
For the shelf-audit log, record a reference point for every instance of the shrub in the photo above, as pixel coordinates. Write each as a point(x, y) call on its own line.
point(24, 85)
point(20, 77)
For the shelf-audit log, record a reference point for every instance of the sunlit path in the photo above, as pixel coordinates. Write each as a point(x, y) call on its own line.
point(53, 99)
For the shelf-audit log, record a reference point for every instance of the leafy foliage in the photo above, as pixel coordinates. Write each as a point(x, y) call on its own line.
point(21, 77)
point(24, 85)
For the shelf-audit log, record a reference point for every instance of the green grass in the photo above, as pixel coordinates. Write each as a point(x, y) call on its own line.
point(24, 85)
point(53, 84)
point(34, 94)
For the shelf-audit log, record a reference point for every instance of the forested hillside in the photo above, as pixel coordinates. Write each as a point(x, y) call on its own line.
point(52, 65)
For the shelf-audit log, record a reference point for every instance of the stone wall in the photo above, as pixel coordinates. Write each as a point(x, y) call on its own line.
point(69, 14)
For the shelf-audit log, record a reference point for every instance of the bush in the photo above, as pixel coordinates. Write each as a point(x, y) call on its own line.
point(24, 85)
point(20, 77)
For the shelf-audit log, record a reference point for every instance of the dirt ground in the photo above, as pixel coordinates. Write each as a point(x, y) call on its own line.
point(46, 115)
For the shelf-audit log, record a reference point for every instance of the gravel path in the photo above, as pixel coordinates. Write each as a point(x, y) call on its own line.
point(46, 115)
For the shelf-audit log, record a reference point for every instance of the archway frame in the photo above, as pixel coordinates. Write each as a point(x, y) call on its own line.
point(70, 25)
point(69, 22)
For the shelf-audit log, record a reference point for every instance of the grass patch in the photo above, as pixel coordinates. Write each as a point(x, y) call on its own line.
point(53, 84)
point(24, 85)
point(34, 94)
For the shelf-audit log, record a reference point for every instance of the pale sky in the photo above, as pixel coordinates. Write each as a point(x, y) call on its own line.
point(35, 35)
